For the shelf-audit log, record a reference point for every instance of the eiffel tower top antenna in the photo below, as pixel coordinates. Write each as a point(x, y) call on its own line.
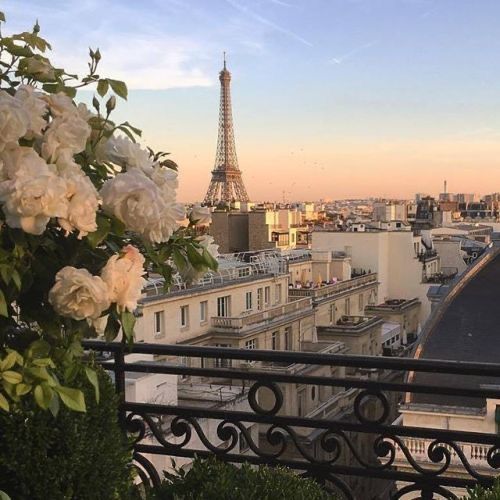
point(226, 185)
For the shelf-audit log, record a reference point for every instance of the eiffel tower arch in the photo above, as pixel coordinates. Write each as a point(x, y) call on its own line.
point(226, 185)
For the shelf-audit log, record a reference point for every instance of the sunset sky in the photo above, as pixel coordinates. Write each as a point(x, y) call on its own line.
point(331, 98)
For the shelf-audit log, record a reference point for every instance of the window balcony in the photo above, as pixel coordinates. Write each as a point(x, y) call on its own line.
point(243, 324)
point(345, 431)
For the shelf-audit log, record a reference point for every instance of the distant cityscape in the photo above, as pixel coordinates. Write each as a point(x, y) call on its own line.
point(367, 277)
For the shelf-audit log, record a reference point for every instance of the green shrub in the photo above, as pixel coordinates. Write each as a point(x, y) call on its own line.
point(480, 493)
point(212, 479)
point(81, 456)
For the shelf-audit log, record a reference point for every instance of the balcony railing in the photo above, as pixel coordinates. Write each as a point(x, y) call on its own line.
point(325, 291)
point(427, 255)
point(351, 439)
point(252, 320)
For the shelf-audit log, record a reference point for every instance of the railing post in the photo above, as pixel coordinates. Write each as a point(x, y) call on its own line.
point(120, 383)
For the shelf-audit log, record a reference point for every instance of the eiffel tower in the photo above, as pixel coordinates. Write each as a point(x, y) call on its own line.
point(226, 185)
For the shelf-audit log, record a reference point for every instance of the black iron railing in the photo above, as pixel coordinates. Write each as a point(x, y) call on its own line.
point(346, 432)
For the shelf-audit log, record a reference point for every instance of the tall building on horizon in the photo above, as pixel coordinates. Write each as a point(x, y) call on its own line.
point(226, 186)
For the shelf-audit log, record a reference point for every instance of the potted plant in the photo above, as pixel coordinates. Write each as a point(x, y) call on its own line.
point(86, 213)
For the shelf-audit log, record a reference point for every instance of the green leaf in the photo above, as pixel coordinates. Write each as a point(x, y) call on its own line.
point(127, 320)
point(22, 389)
point(5, 273)
point(16, 278)
point(38, 349)
point(3, 305)
point(43, 395)
point(92, 377)
point(112, 328)
point(3, 495)
point(9, 361)
point(103, 228)
point(12, 377)
point(51, 88)
point(44, 362)
point(135, 130)
point(127, 132)
point(117, 227)
point(54, 406)
point(119, 88)
point(2, 17)
point(179, 259)
point(69, 91)
point(72, 398)
point(4, 404)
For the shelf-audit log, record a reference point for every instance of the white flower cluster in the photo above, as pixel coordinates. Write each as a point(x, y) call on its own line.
point(142, 197)
point(200, 215)
point(43, 182)
point(80, 295)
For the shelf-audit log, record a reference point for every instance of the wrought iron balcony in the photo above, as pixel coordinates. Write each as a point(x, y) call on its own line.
point(346, 433)
point(251, 321)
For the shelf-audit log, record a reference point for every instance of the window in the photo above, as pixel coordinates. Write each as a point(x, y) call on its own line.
point(361, 303)
point(251, 344)
point(260, 299)
point(242, 273)
point(159, 324)
point(348, 306)
point(275, 341)
point(248, 301)
point(224, 306)
point(313, 393)
point(288, 338)
point(203, 311)
point(223, 362)
point(332, 313)
point(277, 294)
point(184, 316)
point(267, 295)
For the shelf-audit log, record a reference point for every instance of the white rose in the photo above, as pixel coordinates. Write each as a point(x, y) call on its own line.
point(33, 193)
point(60, 104)
point(83, 201)
point(66, 136)
point(123, 274)
point(36, 109)
point(200, 215)
point(78, 294)
point(14, 120)
point(137, 201)
point(122, 151)
point(208, 243)
point(166, 180)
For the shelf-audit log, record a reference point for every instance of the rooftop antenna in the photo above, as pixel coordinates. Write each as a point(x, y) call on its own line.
point(224, 59)
point(445, 186)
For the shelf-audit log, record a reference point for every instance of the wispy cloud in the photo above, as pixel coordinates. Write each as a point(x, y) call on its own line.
point(267, 22)
point(348, 55)
point(281, 2)
point(134, 44)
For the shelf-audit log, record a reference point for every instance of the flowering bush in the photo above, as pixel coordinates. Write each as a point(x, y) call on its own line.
point(86, 213)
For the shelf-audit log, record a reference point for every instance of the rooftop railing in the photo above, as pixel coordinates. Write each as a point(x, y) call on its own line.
point(344, 431)
point(324, 291)
point(251, 320)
